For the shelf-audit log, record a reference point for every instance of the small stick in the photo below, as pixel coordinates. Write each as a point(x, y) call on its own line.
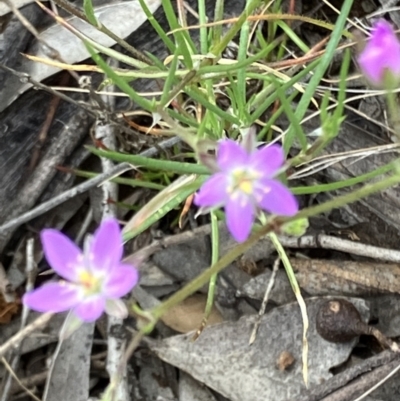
point(30, 269)
point(116, 345)
point(13, 342)
point(306, 241)
point(265, 300)
point(330, 242)
point(81, 188)
point(12, 374)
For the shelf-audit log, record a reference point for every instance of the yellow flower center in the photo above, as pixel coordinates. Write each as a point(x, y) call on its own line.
point(243, 181)
point(246, 186)
point(90, 283)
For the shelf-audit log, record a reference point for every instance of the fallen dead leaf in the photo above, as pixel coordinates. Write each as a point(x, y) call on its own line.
point(188, 315)
point(222, 358)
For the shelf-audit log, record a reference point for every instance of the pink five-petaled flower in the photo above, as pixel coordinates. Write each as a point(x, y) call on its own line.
point(95, 279)
point(380, 59)
point(243, 183)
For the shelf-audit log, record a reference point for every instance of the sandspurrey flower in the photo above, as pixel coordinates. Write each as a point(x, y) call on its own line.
point(244, 182)
point(380, 59)
point(94, 279)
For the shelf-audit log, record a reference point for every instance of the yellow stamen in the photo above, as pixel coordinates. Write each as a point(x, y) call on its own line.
point(246, 186)
point(90, 282)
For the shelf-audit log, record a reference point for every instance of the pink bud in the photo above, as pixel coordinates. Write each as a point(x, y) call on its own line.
point(380, 59)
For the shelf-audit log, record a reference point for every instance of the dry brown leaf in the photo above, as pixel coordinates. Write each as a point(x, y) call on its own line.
point(188, 315)
point(7, 310)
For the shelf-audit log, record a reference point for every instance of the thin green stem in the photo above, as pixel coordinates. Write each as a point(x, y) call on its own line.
point(393, 111)
point(316, 189)
point(214, 259)
point(203, 29)
point(228, 258)
point(152, 164)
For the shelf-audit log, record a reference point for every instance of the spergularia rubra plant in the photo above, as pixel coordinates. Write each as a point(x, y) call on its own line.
point(244, 182)
point(380, 59)
point(95, 279)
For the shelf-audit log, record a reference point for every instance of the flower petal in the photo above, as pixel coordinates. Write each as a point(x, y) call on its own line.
point(213, 192)
point(231, 155)
point(116, 308)
point(106, 247)
point(275, 198)
point(120, 281)
point(240, 213)
point(382, 53)
point(90, 309)
point(53, 297)
point(267, 160)
point(61, 253)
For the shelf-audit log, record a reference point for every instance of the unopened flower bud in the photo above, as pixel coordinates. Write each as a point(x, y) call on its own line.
point(380, 59)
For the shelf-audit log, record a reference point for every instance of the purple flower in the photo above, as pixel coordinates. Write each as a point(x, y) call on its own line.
point(381, 55)
point(243, 183)
point(95, 279)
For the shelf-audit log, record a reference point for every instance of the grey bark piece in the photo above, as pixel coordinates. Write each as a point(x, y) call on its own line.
point(261, 250)
point(191, 389)
point(35, 341)
point(13, 41)
point(121, 17)
point(14, 38)
point(223, 360)
point(386, 309)
point(184, 261)
point(70, 375)
point(17, 3)
point(151, 275)
point(281, 293)
point(187, 260)
point(388, 391)
point(59, 150)
point(156, 379)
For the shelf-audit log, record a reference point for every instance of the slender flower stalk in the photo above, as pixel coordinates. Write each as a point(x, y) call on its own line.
point(95, 279)
point(243, 182)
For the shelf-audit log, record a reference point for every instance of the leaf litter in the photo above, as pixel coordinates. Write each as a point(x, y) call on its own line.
point(222, 358)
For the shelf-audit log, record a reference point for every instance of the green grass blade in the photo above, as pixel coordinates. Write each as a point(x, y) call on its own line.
point(157, 27)
point(120, 82)
point(89, 12)
point(319, 71)
point(316, 189)
point(152, 164)
point(161, 204)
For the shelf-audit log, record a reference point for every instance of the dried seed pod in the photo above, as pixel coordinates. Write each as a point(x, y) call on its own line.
point(339, 321)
